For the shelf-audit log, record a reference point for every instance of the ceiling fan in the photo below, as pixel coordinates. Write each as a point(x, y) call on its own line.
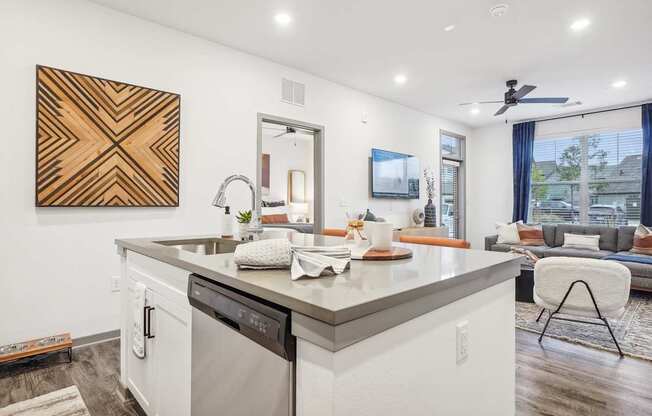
point(514, 97)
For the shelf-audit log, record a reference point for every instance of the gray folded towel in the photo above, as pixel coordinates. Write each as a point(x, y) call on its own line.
point(303, 261)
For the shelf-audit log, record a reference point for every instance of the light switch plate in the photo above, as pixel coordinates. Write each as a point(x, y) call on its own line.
point(462, 341)
point(115, 283)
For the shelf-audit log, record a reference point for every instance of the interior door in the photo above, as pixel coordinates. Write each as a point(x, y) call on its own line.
point(172, 340)
point(140, 372)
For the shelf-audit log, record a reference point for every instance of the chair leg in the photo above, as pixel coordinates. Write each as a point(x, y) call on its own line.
point(612, 336)
point(545, 327)
point(541, 314)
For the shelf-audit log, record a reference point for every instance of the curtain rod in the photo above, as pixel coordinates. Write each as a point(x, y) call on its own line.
point(588, 113)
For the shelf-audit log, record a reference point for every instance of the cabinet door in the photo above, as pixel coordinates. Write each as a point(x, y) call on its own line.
point(141, 375)
point(172, 339)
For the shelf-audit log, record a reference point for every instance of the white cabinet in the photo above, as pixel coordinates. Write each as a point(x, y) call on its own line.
point(170, 326)
point(160, 382)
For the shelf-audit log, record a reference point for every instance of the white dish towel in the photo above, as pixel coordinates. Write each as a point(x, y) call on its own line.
point(311, 261)
point(138, 338)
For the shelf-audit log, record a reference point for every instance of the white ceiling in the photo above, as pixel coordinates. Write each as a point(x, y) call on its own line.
point(365, 43)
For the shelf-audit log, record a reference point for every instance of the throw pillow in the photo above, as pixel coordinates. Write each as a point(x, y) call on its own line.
point(275, 219)
point(582, 242)
point(507, 233)
point(530, 235)
point(642, 240)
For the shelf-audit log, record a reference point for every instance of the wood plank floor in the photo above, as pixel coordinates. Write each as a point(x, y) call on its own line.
point(558, 378)
point(95, 371)
point(553, 379)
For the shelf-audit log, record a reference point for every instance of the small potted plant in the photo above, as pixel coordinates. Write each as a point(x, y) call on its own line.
point(243, 218)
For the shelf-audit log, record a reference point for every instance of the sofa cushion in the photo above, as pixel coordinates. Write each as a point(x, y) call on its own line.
point(576, 252)
point(608, 235)
point(637, 269)
point(642, 240)
point(536, 250)
point(626, 237)
point(530, 235)
point(549, 234)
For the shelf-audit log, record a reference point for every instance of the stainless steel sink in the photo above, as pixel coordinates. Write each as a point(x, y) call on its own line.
point(207, 246)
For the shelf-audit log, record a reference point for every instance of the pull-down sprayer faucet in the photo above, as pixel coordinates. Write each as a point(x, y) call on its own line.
point(220, 200)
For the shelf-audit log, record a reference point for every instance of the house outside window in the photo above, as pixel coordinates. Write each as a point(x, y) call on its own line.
point(587, 179)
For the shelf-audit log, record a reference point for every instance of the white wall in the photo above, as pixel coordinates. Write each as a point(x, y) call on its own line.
point(56, 262)
point(489, 181)
point(287, 153)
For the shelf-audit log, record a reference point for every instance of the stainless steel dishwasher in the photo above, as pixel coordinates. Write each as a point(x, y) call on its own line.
point(242, 353)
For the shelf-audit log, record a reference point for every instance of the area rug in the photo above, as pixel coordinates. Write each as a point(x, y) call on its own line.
point(633, 330)
point(64, 402)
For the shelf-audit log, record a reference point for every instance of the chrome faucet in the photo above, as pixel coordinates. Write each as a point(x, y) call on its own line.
point(220, 200)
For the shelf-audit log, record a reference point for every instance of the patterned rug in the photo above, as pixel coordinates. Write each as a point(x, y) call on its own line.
point(64, 402)
point(633, 330)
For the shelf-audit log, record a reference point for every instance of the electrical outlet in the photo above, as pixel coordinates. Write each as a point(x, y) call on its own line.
point(462, 341)
point(115, 283)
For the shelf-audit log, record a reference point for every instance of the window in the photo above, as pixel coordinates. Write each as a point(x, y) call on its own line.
point(452, 184)
point(587, 179)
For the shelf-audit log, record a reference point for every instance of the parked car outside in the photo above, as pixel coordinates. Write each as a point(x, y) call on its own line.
point(560, 209)
point(607, 215)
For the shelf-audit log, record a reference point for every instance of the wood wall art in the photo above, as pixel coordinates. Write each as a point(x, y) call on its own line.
point(104, 143)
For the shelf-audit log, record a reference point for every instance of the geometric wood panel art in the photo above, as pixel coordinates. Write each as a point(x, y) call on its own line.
point(104, 143)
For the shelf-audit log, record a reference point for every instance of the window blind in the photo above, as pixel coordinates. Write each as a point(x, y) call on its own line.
point(592, 178)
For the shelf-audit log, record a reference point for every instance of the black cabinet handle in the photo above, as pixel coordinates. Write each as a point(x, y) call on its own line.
point(148, 325)
point(145, 320)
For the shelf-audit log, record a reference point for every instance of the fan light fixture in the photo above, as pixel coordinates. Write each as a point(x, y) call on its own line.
point(400, 79)
point(619, 84)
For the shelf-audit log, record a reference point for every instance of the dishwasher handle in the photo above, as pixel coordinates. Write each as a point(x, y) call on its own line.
point(226, 321)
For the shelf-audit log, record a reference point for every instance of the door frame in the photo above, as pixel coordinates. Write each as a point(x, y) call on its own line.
point(461, 178)
point(319, 132)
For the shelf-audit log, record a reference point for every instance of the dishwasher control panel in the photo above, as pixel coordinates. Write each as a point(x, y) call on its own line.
point(230, 311)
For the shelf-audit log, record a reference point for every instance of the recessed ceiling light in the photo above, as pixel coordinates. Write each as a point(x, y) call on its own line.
point(619, 84)
point(449, 28)
point(499, 10)
point(580, 25)
point(400, 79)
point(283, 19)
point(475, 110)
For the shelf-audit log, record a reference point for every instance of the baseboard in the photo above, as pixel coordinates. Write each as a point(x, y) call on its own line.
point(95, 338)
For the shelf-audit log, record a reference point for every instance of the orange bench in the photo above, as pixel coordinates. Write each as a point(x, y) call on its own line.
point(435, 241)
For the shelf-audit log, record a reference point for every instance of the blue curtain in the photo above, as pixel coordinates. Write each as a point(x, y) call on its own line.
point(522, 146)
point(646, 160)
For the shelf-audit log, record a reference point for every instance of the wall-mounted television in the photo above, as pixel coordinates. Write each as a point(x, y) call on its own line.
point(394, 175)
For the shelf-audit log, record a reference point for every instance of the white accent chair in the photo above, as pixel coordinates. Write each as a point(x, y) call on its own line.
point(588, 288)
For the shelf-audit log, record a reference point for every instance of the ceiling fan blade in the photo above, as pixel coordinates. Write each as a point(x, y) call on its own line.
point(523, 91)
point(502, 110)
point(544, 100)
point(484, 102)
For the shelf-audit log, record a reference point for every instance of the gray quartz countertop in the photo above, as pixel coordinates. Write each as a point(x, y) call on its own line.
point(368, 287)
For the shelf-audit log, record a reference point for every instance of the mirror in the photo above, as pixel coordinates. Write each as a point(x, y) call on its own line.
point(296, 186)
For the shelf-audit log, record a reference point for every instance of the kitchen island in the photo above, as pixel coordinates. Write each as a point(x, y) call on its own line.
point(433, 334)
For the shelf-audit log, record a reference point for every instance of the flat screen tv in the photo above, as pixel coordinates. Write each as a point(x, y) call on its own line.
point(394, 175)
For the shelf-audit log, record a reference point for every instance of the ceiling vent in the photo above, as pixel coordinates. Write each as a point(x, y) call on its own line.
point(293, 92)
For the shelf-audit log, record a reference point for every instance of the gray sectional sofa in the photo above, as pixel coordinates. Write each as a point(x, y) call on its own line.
point(612, 240)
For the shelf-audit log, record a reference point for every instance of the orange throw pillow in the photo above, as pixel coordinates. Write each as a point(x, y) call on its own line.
point(275, 219)
point(530, 235)
point(642, 240)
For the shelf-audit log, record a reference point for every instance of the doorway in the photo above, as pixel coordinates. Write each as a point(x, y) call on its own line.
point(289, 174)
point(452, 179)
